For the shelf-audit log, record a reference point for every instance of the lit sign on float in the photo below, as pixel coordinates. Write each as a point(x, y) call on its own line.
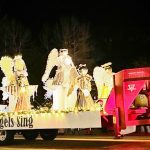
point(19, 121)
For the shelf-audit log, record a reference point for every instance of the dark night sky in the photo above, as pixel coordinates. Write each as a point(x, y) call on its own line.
point(104, 13)
point(128, 24)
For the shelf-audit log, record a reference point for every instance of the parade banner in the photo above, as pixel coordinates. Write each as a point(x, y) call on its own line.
point(87, 119)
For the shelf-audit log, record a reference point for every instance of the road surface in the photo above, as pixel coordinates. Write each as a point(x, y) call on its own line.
point(82, 142)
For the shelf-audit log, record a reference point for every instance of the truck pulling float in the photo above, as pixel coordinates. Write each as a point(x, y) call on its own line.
point(126, 105)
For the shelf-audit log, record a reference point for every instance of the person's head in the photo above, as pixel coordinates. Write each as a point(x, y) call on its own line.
point(63, 51)
point(83, 69)
point(108, 69)
point(18, 56)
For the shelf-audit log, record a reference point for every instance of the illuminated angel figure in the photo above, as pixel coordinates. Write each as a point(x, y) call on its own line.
point(85, 101)
point(59, 85)
point(103, 77)
point(8, 82)
point(20, 71)
point(15, 84)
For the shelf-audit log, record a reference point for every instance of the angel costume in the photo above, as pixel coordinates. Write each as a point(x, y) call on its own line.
point(63, 79)
point(20, 70)
point(103, 77)
point(9, 83)
point(15, 85)
point(85, 101)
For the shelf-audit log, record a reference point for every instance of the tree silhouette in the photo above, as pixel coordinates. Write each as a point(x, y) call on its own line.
point(71, 34)
point(13, 36)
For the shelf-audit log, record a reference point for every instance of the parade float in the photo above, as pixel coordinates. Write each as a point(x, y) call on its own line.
point(120, 98)
point(20, 116)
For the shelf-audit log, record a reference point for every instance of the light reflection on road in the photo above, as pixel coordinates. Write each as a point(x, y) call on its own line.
point(82, 142)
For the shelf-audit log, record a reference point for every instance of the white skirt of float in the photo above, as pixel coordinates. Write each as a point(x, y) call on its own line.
point(71, 100)
point(59, 95)
point(12, 103)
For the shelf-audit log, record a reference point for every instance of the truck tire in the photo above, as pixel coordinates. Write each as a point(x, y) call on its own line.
point(30, 134)
point(48, 134)
point(6, 137)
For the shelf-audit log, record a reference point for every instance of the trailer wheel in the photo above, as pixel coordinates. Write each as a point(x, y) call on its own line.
point(48, 134)
point(6, 137)
point(30, 134)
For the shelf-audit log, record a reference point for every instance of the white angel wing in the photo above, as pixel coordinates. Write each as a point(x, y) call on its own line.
point(98, 75)
point(51, 62)
point(6, 64)
point(102, 78)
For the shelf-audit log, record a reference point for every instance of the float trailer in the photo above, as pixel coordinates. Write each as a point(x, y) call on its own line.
point(120, 115)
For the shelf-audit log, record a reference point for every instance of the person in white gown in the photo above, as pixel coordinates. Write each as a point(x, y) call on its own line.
point(103, 77)
point(59, 85)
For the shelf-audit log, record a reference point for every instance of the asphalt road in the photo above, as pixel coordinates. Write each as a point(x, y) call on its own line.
point(82, 142)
